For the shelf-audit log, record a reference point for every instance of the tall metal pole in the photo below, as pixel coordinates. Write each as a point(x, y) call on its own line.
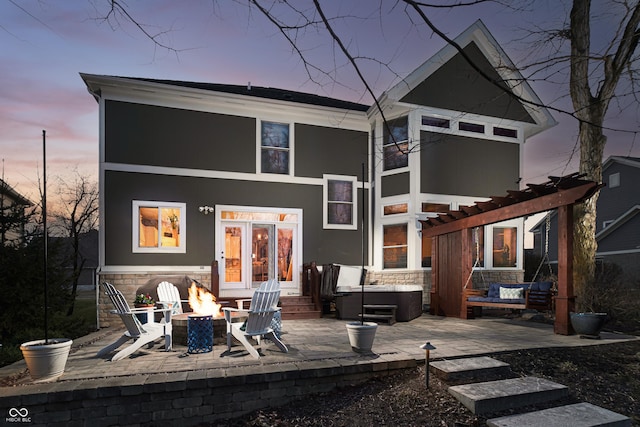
point(46, 237)
point(363, 253)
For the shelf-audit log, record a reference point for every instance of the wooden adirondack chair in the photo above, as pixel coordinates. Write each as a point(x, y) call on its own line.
point(136, 331)
point(264, 304)
point(169, 297)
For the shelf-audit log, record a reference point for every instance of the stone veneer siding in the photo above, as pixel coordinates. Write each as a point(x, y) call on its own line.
point(423, 278)
point(482, 281)
point(128, 284)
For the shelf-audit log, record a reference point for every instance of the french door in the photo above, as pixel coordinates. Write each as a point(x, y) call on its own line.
point(254, 247)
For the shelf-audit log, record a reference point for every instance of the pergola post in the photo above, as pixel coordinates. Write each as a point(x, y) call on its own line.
point(434, 303)
point(466, 268)
point(565, 299)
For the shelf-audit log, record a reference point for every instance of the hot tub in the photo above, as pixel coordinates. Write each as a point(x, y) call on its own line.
point(408, 298)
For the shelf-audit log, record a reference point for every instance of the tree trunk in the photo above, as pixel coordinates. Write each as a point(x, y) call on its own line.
point(592, 142)
point(588, 110)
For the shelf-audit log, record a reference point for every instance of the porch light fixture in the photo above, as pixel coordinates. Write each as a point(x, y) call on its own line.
point(427, 346)
point(206, 209)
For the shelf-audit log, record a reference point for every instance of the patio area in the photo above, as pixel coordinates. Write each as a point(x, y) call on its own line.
point(319, 359)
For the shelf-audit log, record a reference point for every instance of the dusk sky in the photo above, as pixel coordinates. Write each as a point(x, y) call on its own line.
point(46, 44)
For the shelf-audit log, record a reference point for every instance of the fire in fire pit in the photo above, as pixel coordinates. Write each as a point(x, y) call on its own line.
point(203, 302)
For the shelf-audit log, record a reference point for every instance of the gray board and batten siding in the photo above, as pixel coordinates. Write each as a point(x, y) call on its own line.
point(123, 187)
point(457, 86)
point(454, 164)
point(171, 137)
point(176, 138)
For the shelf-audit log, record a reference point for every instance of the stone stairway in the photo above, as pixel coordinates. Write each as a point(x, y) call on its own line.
point(485, 386)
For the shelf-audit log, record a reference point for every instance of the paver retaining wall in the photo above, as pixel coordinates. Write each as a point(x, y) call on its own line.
point(184, 398)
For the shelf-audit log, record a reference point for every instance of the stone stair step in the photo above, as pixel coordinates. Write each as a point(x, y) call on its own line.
point(492, 396)
point(577, 415)
point(470, 370)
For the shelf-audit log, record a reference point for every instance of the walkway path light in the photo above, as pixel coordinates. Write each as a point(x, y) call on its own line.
point(427, 346)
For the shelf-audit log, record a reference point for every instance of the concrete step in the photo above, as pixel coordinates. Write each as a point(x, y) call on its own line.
point(470, 370)
point(492, 396)
point(578, 415)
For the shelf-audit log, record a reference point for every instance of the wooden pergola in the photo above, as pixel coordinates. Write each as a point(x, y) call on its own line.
point(452, 241)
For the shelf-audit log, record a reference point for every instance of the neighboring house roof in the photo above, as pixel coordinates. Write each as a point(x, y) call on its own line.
point(245, 90)
point(629, 161)
point(13, 195)
point(477, 43)
point(618, 222)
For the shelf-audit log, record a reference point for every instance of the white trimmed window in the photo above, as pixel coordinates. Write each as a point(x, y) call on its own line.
point(394, 246)
point(275, 148)
point(395, 144)
point(159, 227)
point(340, 207)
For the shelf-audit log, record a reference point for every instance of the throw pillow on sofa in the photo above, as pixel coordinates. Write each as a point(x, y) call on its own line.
point(511, 293)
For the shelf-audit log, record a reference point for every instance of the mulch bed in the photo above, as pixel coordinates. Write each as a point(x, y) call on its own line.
point(604, 375)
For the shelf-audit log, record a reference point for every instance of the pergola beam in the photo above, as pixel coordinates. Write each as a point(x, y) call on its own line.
point(516, 210)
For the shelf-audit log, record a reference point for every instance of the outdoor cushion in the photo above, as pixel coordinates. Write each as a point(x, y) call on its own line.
point(541, 286)
point(511, 293)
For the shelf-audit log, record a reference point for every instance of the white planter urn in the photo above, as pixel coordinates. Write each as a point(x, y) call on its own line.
point(46, 362)
point(361, 336)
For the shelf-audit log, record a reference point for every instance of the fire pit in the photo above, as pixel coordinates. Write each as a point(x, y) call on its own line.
point(180, 328)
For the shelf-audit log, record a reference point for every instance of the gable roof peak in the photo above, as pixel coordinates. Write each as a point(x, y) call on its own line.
point(510, 77)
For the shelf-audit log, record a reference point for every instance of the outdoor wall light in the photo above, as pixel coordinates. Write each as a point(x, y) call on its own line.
point(205, 209)
point(427, 346)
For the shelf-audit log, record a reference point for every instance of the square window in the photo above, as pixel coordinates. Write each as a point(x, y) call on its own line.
point(614, 180)
point(159, 227)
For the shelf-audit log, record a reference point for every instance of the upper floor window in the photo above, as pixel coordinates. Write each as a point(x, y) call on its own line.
point(509, 133)
point(395, 144)
point(275, 147)
point(614, 180)
point(471, 127)
point(436, 122)
point(159, 227)
point(339, 202)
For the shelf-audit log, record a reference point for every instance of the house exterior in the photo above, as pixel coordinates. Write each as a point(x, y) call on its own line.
point(262, 180)
point(12, 205)
point(617, 218)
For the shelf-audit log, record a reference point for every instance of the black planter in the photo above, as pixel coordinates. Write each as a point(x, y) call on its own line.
point(588, 325)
